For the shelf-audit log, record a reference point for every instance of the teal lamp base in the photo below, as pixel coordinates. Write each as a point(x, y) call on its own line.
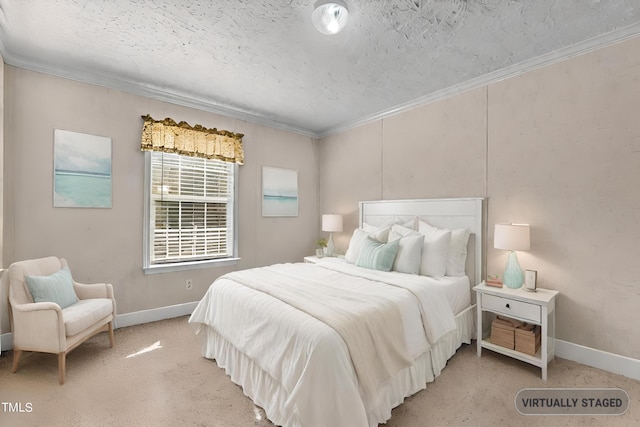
point(513, 275)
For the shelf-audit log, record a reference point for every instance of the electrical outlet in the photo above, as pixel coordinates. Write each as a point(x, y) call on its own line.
point(188, 285)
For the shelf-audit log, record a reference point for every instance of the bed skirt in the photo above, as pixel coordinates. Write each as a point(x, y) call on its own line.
point(266, 392)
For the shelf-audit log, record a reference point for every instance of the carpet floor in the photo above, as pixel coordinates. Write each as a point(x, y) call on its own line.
point(155, 376)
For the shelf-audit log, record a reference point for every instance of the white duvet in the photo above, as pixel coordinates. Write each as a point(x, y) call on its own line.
point(311, 359)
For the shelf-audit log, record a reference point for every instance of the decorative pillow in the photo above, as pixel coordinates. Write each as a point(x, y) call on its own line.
point(409, 250)
point(381, 234)
point(378, 256)
point(398, 231)
point(426, 228)
point(355, 245)
point(410, 224)
point(434, 251)
point(457, 257)
point(57, 287)
point(369, 228)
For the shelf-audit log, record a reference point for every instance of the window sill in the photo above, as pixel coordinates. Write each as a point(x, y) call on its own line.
point(193, 265)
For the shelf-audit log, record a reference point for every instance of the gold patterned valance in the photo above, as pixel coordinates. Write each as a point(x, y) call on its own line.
point(196, 141)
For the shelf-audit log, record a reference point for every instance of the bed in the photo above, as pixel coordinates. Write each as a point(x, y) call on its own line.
point(341, 342)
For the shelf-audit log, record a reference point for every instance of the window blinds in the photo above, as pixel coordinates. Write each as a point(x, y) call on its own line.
point(191, 208)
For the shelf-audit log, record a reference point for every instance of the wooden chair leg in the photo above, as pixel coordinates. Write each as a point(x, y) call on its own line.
point(62, 361)
point(111, 337)
point(16, 359)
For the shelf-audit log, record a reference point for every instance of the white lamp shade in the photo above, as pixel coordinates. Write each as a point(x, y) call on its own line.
point(332, 223)
point(512, 237)
point(330, 16)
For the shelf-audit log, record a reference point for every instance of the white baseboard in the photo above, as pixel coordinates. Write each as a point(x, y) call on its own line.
point(609, 362)
point(154, 314)
point(6, 341)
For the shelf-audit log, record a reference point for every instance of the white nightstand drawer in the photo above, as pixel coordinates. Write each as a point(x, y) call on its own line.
point(509, 307)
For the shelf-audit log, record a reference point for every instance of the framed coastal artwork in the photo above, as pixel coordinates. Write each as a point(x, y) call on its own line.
point(81, 170)
point(279, 192)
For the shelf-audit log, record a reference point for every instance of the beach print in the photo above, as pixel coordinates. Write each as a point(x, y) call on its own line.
point(279, 192)
point(82, 170)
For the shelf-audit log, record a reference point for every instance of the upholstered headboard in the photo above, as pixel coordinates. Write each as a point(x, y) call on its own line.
point(442, 213)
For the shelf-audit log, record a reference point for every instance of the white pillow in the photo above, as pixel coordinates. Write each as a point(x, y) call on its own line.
point(457, 257)
point(355, 245)
point(369, 228)
point(408, 257)
point(381, 234)
point(397, 231)
point(408, 224)
point(435, 250)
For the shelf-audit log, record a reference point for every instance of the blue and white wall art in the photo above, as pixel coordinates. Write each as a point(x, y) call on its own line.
point(82, 170)
point(279, 192)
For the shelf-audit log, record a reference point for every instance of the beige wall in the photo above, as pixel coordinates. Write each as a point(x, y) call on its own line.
point(437, 150)
point(106, 244)
point(345, 181)
point(558, 147)
point(564, 155)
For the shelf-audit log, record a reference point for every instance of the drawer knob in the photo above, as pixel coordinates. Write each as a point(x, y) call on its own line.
point(508, 306)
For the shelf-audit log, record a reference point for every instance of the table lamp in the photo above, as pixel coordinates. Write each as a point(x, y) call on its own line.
point(512, 237)
point(331, 223)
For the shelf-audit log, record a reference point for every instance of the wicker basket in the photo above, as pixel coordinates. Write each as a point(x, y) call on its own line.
point(527, 339)
point(503, 333)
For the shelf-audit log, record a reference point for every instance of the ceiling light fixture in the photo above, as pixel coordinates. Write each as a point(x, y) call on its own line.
point(330, 16)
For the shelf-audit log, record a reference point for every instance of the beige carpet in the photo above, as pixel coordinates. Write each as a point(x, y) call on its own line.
point(172, 385)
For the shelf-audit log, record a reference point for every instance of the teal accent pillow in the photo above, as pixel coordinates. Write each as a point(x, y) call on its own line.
point(378, 256)
point(57, 287)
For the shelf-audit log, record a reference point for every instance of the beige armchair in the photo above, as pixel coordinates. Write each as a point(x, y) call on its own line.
point(45, 326)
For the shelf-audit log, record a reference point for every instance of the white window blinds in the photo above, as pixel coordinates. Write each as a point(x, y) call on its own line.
point(191, 209)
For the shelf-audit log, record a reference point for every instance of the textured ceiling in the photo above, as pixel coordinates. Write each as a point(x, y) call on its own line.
point(263, 61)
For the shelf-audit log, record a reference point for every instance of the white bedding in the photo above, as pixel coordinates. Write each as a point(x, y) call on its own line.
point(309, 361)
point(455, 288)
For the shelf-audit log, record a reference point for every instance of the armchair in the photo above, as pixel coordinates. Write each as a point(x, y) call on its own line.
point(45, 326)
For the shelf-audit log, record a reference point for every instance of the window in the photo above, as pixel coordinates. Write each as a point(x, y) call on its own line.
point(190, 211)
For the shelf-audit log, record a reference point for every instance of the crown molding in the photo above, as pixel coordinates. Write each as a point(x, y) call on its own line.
point(550, 58)
point(142, 89)
point(152, 92)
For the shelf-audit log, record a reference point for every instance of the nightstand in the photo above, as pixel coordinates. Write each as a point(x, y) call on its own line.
point(532, 307)
point(312, 259)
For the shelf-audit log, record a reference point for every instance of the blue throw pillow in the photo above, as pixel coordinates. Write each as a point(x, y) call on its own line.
point(378, 256)
point(57, 287)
